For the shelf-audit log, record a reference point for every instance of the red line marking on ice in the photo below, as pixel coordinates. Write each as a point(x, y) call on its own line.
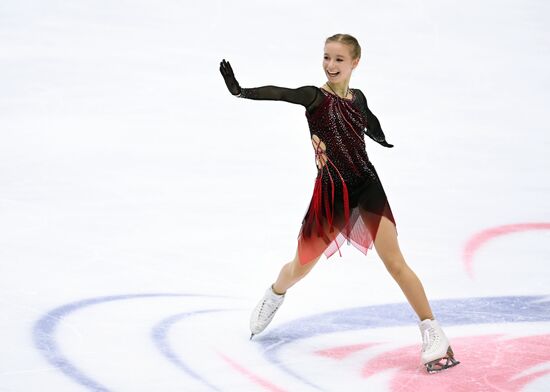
point(255, 378)
point(343, 351)
point(487, 363)
point(479, 239)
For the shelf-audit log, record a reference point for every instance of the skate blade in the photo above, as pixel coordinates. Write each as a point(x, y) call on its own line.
point(251, 336)
point(440, 364)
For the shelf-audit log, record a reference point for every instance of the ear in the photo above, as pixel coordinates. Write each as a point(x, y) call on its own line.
point(355, 62)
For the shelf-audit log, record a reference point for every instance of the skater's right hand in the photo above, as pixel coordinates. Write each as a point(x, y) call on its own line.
point(229, 77)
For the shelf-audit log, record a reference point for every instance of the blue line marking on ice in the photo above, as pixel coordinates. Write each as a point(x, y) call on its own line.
point(510, 309)
point(160, 337)
point(44, 334)
point(450, 312)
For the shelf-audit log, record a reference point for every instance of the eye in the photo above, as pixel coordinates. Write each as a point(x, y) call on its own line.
point(340, 60)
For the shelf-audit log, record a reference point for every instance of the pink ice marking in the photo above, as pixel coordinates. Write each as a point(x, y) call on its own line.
point(343, 351)
point(476, 241)
point(487, 363)
point(262, 382)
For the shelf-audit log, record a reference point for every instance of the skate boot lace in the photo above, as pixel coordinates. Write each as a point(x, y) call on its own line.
point(268, 308)
point(430, 337)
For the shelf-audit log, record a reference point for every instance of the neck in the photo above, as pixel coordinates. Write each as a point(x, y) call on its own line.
point(340, 89)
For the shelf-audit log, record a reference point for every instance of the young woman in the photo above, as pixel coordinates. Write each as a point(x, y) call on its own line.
point(348, 202)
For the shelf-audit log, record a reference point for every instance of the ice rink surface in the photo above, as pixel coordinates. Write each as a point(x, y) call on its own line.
point(144, 210)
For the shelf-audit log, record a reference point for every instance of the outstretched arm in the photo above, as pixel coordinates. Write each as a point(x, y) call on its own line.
point(307, 96)
point(304, 96)
point(373, 129)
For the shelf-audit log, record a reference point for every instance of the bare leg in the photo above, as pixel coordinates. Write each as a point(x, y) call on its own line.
point(310, 250)
point(294, 271)
point(291, 273)
point(387, 248)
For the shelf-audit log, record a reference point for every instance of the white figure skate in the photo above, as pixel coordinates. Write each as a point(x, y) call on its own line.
point(436, 353)
point(265, 310)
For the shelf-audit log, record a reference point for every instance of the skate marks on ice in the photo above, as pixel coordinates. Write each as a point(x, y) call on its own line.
point(50, 334)
point(290, 356)
point(385, 364)
point(382, 345)
point(200, 344)
point(45, 331)
point(491, 362)
point(161, 334)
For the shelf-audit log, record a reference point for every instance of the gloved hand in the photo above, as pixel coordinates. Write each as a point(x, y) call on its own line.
point(229, 77)
point(386, 144)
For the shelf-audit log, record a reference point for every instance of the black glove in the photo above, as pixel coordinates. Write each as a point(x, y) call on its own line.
point(386, 144)
point(229, 77)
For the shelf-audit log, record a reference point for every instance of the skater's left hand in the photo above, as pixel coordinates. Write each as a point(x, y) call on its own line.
point(229, 77)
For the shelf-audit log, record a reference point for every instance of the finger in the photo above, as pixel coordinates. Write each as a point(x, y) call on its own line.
point(223, 71)
point(227, 68)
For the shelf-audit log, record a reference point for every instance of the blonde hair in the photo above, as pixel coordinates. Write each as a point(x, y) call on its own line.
point(347, 40)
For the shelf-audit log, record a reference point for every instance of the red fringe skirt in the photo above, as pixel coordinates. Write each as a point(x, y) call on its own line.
point(339, 212)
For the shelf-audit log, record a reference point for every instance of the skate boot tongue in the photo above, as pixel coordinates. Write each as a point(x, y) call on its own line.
point(428, 323)
point(430, 331)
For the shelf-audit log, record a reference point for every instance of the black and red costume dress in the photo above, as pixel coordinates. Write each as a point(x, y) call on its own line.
point(348, 199)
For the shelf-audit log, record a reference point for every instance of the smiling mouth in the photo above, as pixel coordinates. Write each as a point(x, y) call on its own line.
point(333, 74)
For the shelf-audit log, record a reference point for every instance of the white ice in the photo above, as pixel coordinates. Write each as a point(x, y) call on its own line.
point(127, 169)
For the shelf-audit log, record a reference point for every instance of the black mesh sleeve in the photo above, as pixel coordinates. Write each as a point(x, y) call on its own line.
point(307, 96)
point(373, 129)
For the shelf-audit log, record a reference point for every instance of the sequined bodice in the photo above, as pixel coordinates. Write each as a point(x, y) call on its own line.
point(336, 129)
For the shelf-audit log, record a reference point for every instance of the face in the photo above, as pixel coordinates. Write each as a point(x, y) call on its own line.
point(338, 63)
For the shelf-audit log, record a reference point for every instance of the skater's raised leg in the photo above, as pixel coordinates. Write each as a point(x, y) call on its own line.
point(264, 311)
point(273, 298)
point(290, 274)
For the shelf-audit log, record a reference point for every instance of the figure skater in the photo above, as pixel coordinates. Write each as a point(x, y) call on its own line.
point(348, 202)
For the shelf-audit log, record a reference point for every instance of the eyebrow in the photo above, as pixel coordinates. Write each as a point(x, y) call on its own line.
point(338, 55)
